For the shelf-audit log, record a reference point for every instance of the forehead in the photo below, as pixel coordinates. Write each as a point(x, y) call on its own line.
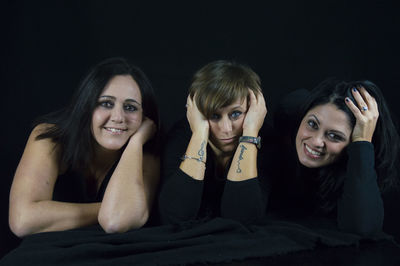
point(238, 103)
point(122, 87)
point(329, 116)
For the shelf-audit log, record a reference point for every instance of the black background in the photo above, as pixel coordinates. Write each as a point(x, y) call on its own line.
point(49, 45)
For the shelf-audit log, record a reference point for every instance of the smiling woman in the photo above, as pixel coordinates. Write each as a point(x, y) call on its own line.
point(338, 155)
point(210, 160)
point(95, 161)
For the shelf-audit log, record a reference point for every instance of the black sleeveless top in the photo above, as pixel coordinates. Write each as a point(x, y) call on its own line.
point(71, 187)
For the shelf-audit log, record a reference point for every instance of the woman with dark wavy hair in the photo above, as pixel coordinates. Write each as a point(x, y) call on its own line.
point(340, 147)
point(94, 161)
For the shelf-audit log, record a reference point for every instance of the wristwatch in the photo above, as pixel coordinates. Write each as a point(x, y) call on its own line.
point(254, 140)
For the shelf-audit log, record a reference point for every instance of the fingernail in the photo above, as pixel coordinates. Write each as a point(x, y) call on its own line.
point(354, 89)
point(347, 99)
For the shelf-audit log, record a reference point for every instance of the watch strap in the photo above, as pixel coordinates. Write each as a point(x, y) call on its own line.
point(253, 140)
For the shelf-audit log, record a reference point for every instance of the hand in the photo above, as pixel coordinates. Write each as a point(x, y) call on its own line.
point(145, 132)
point(255, 115)
point(366, 114)
point(198, 123)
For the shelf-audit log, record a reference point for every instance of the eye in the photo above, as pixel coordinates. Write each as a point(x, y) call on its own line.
point(334, 137)
point(130, 108)
point(312, 124)
point(106, 104)
point(235, 114)
point(215, 117)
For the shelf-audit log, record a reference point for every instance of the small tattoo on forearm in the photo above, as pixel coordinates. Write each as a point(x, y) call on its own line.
point(201, 151)
point(242, 149)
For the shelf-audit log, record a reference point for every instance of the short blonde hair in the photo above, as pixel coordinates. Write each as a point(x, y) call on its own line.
point(221, 83)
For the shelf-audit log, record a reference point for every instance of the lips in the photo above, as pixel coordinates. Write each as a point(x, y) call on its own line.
point(114, 130)
point(227, 140)
point(313, 154)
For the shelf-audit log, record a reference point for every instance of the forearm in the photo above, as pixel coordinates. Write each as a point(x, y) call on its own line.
point(126, 202)
point(244, 163)
point(243, 201)
point(197, 148)
point(360, 207)
point(180, 198)
point(47, 215)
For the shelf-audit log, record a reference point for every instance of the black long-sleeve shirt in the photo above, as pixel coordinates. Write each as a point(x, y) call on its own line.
point(359, 205)
point(183, 198)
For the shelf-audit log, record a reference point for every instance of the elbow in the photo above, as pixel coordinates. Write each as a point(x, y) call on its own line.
point(19, 225)
point(121, 223)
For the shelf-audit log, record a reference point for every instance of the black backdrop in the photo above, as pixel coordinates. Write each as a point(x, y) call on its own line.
point(49, 45)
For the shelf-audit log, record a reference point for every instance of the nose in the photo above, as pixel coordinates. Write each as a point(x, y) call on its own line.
point(225, 125)
point(117, 115)
point(318, 141)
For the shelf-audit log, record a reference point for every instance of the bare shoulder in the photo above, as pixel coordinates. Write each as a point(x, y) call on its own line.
point(41, 152)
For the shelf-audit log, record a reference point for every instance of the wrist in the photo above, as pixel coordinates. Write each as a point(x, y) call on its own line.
point(200, 134)
point(250, 132)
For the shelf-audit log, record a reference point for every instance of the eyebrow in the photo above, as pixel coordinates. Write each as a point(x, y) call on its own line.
point(127, 100)
point(316, 118)
point(343, 135)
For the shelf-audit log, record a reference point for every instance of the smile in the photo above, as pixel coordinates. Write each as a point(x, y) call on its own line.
point(312, 153)
point(115, 130)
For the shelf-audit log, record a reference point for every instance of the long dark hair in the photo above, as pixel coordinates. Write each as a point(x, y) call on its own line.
point(71, 126)
point(385, 139)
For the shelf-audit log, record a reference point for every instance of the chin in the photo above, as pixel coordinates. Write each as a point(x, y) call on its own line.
point(228, 148)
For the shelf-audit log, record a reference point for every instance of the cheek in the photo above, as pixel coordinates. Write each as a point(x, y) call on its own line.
point(98, 118)
point(336, 149)
point(238, 124)
point(213, 128)
point(135, 120)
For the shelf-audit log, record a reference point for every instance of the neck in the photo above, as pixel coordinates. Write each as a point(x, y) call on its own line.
point(103, 160)
point(222, 158)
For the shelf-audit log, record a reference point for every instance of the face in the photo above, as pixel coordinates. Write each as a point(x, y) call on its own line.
point(118, 114)
point(226, 126)
point(323, 134)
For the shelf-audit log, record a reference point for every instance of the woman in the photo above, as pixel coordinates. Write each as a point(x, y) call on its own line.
point(340, 149)
point(210, 160)
point(88, 163)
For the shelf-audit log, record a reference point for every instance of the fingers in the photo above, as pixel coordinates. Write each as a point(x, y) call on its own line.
point(364, 100)
point(353, 108)
point(256, 99)
point(189, 101)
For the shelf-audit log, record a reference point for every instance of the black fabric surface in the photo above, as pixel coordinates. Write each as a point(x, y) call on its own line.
point(214, 241)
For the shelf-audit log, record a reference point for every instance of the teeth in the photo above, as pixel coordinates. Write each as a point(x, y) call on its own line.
point(312, 151)
point(114, 130)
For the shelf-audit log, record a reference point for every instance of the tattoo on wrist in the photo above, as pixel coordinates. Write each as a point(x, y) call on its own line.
point(201, 151)
point(242, 149)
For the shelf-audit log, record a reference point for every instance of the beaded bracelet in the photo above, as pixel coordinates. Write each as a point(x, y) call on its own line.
point(193, 158)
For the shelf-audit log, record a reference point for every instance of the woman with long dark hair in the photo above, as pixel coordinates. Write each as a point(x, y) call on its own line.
point(94, 161)
point(340, 149)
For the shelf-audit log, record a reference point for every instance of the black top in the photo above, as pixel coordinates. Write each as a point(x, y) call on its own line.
point(354, 197)
point(183, 198)
point(71, 187)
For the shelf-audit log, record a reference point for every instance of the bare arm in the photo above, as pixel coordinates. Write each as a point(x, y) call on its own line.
point(244, 163)
point(197, 147)
point(131, 191)
point(32, 209)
